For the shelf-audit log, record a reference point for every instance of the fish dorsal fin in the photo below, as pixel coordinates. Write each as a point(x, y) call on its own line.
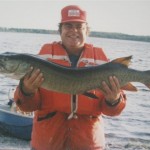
point(123, 60)
point(129, 87)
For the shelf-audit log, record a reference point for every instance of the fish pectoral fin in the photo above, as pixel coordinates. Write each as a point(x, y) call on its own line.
point(90, 95)
point(129, 87)
point(123, 60)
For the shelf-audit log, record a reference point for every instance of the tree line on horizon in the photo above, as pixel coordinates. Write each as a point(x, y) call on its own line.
point(109, 35)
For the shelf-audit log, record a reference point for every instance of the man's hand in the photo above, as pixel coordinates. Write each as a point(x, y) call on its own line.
point(32, 81)
point(111, 93)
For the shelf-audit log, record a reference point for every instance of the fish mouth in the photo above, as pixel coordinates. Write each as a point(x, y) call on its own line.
point(4, 69)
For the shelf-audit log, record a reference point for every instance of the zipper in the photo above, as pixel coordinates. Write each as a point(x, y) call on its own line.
point(74, 98)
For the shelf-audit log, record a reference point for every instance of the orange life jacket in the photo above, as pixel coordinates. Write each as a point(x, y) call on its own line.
point(74, 121)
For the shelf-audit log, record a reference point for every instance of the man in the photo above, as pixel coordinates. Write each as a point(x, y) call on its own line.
point(63, 121)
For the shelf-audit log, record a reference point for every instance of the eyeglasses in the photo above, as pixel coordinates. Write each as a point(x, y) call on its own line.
point(79, 27)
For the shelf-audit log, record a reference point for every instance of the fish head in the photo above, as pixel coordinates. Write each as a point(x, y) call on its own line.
point(8, 63)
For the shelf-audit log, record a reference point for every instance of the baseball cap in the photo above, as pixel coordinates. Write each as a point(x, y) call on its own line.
point(73, 13)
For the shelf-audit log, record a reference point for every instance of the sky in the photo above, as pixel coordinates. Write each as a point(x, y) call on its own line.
point(122, 16)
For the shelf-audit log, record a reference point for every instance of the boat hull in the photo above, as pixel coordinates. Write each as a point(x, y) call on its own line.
point(15, 124)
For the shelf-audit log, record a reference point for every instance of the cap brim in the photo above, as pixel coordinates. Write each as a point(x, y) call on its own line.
point(74, 20)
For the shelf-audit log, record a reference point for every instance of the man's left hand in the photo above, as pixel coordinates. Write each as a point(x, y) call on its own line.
point(112, 92)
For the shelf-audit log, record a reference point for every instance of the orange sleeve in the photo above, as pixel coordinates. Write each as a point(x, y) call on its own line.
point(105, 108)
point(114, 110)
point(27, 103)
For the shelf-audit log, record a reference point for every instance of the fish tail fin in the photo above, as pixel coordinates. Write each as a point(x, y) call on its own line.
point(123, 60)
point(147, 83)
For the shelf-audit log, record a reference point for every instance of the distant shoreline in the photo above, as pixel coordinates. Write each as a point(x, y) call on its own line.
point(109, 35)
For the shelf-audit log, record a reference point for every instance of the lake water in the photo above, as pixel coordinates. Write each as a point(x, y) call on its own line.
point(130, 130)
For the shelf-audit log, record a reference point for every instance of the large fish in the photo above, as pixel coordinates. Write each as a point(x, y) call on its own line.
point(73, 80)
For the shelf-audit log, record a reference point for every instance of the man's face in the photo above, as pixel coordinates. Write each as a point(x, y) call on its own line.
point(73, 34)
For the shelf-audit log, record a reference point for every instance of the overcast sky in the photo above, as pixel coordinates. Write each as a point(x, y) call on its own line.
point(123, 16)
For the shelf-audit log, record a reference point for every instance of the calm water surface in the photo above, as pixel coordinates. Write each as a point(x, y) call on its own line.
point(130, 130)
